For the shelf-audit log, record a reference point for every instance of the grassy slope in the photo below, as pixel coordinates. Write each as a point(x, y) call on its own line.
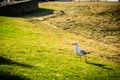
point(98, 21)
point(32, 49)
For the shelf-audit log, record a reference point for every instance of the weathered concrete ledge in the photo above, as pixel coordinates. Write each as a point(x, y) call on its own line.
point(19, 8)
point(12, 2)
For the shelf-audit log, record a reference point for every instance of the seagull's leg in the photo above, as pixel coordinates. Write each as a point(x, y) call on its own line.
point(85, 59)
point(80, 58)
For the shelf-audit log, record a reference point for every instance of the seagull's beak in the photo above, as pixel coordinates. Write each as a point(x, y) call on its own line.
point(73, 44)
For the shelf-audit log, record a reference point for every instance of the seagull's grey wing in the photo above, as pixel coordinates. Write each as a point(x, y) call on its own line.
point(83, 52)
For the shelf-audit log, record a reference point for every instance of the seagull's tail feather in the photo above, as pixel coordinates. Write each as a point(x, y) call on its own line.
point(88, 52)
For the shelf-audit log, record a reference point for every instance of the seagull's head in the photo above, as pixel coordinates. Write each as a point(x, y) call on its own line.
point(75, 43)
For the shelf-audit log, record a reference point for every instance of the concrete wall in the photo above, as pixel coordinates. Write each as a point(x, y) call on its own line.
point(19, 8)
point(98, 0)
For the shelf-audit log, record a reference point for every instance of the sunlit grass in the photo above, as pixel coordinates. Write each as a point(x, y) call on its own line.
point(32, 49)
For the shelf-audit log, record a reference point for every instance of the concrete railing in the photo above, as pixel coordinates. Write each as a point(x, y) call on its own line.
point(10, 2)
point(19, 7)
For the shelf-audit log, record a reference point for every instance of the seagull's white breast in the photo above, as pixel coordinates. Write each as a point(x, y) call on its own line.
point(78, 51)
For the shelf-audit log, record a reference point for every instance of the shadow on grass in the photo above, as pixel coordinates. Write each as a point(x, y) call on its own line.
point(37, 13)
point(7, 61)
point(99, 65)
point(40, 12)
point(5, 75)
point(8, 75)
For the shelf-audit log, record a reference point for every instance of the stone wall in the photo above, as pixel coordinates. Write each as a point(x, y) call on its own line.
point(19, 8)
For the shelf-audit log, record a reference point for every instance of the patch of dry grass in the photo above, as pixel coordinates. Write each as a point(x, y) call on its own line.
point(99, 21)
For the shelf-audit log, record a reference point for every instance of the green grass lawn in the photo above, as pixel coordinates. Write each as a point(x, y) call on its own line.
point(32, 49)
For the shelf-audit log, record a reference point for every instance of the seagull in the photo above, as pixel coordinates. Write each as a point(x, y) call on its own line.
point(79, 51)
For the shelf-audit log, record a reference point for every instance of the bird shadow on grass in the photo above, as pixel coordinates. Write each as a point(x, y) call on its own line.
point(6, 61)
point(99, 65)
